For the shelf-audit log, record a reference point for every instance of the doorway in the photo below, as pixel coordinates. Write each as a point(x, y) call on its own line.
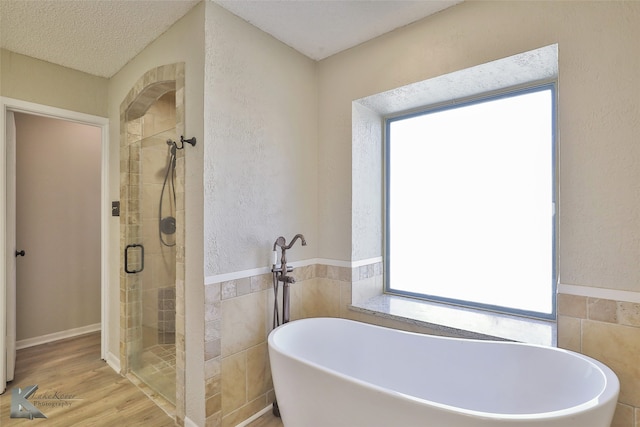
point(57, 229)
point(9, 108)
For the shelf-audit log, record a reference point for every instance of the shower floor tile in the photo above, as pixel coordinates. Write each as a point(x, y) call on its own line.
point(158, 369)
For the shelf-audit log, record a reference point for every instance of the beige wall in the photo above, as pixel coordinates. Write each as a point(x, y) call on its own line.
point(261, 153)
point(183, 42)
point(58, 225)
point(598, 113)
point(41, 82)
point(260, 180)
point(599, 158)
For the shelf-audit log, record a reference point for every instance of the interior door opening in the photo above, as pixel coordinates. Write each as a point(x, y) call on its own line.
point(58, 226)
point(39, 311)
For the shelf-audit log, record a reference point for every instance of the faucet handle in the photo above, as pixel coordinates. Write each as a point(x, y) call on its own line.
point(275, 269)
point(286, 279)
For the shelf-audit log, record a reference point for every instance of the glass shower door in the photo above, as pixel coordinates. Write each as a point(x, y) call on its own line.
point(151, 256)
point(158, 294)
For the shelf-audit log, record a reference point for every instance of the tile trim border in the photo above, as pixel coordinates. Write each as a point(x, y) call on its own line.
point(224, 277)
point(602, 293)
point(563, 288)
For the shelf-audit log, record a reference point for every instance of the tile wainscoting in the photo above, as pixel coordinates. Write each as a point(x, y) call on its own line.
point(238, 319)
point(609, 331)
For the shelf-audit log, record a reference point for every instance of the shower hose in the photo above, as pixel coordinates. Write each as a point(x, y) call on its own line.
point(276, 313)
point(170, 177)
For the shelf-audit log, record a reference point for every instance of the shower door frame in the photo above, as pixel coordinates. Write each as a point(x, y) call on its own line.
point(149, 87)
point(19, 106)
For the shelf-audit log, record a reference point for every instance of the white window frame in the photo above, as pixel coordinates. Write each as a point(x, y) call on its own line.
point(509, 92)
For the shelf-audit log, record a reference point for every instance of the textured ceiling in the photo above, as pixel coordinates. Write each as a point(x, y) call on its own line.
point(100, 36)
point(322, 28)
point(94, 36)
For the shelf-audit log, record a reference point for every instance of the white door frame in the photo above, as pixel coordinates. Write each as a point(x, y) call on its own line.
point(19, 106)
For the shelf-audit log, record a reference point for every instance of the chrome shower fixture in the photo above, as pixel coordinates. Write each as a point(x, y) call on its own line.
point(280, 276)
point(281, 242)
point(191, 141)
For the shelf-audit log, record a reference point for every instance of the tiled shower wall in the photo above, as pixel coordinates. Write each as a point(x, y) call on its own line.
point(608, 331)
point(159, 278)
point(238, 316)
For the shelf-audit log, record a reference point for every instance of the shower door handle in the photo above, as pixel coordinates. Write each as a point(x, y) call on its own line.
point(126, 258)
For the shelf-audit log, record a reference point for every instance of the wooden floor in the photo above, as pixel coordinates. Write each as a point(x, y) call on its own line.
point(77, 388)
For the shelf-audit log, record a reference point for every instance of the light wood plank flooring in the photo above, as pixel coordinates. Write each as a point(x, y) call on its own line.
point(77, 388)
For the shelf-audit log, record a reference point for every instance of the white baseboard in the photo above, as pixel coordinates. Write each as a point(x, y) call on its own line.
point(113, 361)
point(69, 333)
point(189, 423)
point(253, 417)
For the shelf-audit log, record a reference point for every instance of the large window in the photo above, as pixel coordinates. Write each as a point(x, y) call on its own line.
point(470, 203)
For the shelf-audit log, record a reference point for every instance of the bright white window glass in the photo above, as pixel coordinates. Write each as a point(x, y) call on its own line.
point(470, 203)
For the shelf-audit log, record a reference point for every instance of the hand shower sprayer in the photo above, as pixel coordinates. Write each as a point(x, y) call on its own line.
point(280, 275)
point(167, 223)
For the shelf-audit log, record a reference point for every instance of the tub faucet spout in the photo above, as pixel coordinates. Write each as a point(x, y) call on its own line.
point(281, 242)
point(296, 237)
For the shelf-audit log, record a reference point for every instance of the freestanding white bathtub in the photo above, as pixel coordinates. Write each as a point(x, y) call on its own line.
point(330, 372)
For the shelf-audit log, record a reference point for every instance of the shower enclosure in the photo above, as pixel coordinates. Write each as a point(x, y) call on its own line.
point(152, 236)
point(154, 363)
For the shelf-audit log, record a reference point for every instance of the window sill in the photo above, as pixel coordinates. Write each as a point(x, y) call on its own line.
point(460, 321)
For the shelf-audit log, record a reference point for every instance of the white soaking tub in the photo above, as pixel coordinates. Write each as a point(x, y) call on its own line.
point(330, 372)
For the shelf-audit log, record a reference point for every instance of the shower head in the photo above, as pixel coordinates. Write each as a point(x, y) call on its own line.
point(173, 146)
point(279, 242)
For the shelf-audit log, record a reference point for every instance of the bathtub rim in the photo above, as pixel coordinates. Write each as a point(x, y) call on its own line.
point(610, 390)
